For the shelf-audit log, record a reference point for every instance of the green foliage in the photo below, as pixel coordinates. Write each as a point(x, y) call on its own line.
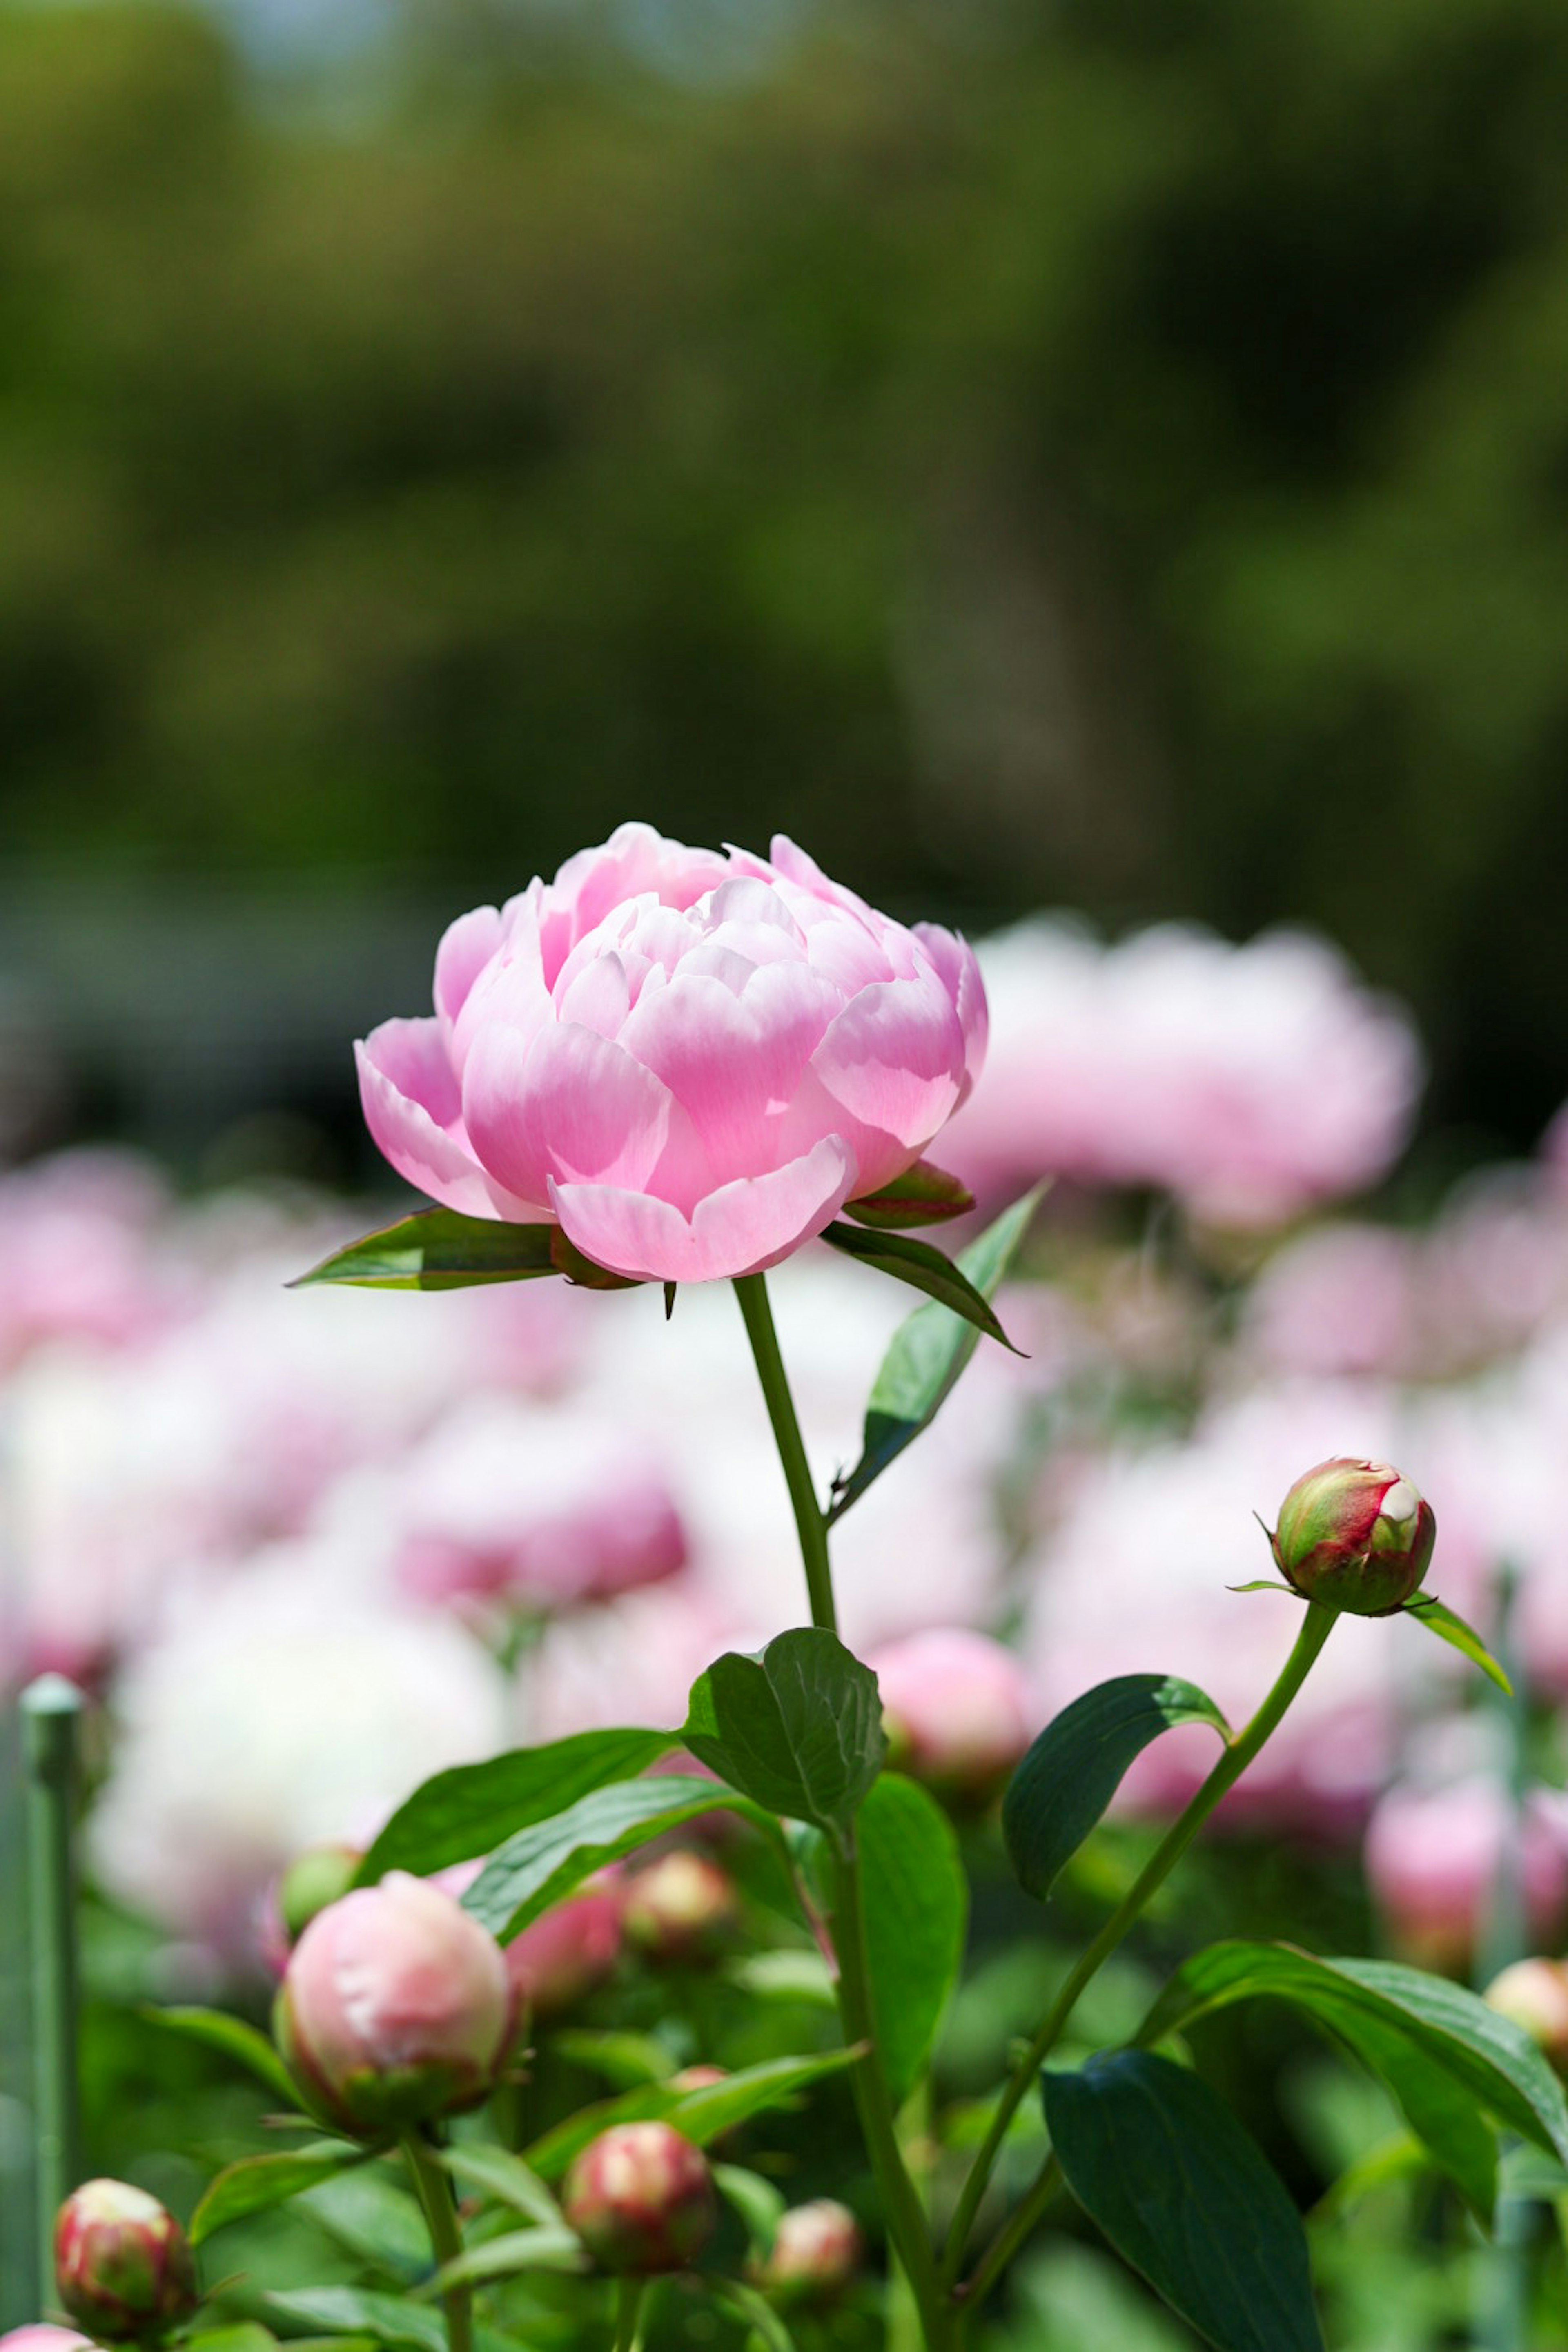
point(916, 1910)
point(254, 2182)
point(436, 1249)
point(1428, 1611)
point(799, 1728)
point(1075, 1767)
point(471, 1808)
point(1158, 2161)
point(927, 1356)
point(924, 1267)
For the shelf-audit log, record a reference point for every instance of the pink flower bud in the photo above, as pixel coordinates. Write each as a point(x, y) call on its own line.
point(397, 2005)
point(122, 2264)
point(1354, 1535)
point(39, 2336)
point(817, 2250)
point(641, 2198)
point(568, 1953)
point(1534, 1994)
point(956, 1706)
point(681, 1909)
point(311, 1881)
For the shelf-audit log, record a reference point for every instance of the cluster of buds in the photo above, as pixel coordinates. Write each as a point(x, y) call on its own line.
point(641, 2198)
point(1354, 1535)
point(397, 2005)
point(123, 2266)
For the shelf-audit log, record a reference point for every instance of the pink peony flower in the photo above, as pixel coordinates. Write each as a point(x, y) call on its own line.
point(957, 1708)
point(397, 2005)
point(691, 1061)
point(1250, 1081)
point(1434, 1857)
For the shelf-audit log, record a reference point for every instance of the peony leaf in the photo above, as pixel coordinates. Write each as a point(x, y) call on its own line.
point(923, 1266)
point(543, 1863)
point(1187, 2198)
point(1075, 1767)
point(436, 1249)
point(1437, 1619)
point(922, 1196)
point(704, 2114)
point(469, 1809)
point(917, 1909)
point(235, 2040)
point(257, 2182)
point(798, 1729)
point(926, 1356)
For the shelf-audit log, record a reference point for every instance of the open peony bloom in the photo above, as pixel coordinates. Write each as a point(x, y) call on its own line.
point(692, 1060)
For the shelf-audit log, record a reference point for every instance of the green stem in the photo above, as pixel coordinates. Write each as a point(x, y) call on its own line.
point(628, 2314)
point(902, 2205)
point(435, 2193)
point(1009, 2240)
point(1237, 1754)
point(52, 1715)
point(751, 1290)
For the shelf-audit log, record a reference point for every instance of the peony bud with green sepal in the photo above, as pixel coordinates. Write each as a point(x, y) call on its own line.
point(1354, 1535)
point(123, 2266)
point(641, 2198)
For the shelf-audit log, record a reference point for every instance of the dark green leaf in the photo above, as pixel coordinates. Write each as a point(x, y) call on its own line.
point(924, 1267)
point(702, 2114)
point(799, 1729)
point(366, 2211)
point(1441, 2111)
point(1162, 2165)
point(502, 2176)
point(237, 2040)
point(258, 2181)
point(435, 1249)
point(917, 1909)
point(569, 1260)
point(922, 1196)
point(544, 1862)
point(471, 1808)
point(1428, 1611)
point(554, 2249)
point(1075, 1767)
point(386, 2318)
point(1487, 2056)
point(926, 1356)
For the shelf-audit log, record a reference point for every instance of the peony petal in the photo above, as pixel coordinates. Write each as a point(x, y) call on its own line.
point(730, 1061)
point(739, 1229)
point(570, 1105)
point(410, 1099)
point(960, 969)
point(894, 1062)
point(466, 946)
point(599, 997)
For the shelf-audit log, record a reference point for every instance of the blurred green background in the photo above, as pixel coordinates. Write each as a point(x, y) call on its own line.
point(1107, 454)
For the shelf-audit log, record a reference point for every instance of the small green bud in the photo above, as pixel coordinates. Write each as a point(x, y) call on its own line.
point(1354, 1535)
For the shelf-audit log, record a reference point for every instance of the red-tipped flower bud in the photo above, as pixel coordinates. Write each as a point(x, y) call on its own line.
point(397, 2005)
point(681, 1909)
point(568, 1952)
point(1534, 1994)
point(1354, 1535)
point(816, 2251)
point(956, 1707)
point(311, 1881)
point(122, 2264)
point(641, 2198)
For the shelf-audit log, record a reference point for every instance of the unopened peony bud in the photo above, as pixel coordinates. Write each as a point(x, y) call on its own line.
point(700, 2077)
point(397, 2005)
point(313, 1880)
point(816, 2251)
point(1534, 1994)
point(39, 2336)
point(641, 2198)
point(122, 2264)
point(956, 1707)
point(1354, 1535)
point(681, 1909)
point(568, 1952)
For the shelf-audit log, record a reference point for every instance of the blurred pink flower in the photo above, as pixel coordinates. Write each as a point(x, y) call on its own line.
point(82, 1257)
point(692, 1060)
point(567, 1952)
point(957, 1707)
point(1434, 1857)
point(547, 1503)
point(1250, 1081)
point(1340, 1298)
